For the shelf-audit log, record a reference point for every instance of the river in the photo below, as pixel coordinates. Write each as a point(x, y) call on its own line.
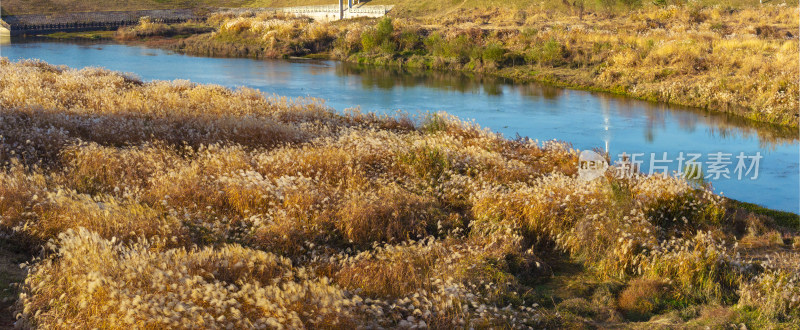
point(586, 120)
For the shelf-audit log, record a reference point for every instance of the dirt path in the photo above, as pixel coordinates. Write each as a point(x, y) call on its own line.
point(10, 274)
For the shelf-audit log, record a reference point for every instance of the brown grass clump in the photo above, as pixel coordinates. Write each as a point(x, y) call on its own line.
point(145, 285)
point(147, 28)
point(384, 214)
point(171, 204)
point(642, 298)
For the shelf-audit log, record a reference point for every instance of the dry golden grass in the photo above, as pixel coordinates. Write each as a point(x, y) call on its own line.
point(172, 204)
point(775, 292)
point(148, 28)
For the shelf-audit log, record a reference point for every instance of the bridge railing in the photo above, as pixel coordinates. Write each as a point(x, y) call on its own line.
point(95, 19)
point(335, 9)
point(312, 9)
point(72, 22)
point(370, 9)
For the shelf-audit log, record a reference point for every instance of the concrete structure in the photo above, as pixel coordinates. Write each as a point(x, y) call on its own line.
point(367, 11)
point(334, 12)
point(4, 31)
point(5, 36)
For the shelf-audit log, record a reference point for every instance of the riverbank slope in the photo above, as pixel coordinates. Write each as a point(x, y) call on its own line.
point(714, 58)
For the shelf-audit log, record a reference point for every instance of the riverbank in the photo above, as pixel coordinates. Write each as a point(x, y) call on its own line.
point(705, 57)
point(158, 194)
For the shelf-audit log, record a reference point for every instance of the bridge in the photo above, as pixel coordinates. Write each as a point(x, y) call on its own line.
point(112, 20)
point(89, 21)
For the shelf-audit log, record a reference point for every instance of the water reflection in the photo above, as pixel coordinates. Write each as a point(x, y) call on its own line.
point(720, 125)
point(392, 77)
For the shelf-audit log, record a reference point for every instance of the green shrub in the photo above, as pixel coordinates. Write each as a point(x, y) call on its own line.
point(460, 48)
point(369, 40)
point(387, 46)
point(551, 52)
point(409, 40)
point(380, 36)
point(434, 44)
point(384, 29)
point(493, 53)
point(344, 46)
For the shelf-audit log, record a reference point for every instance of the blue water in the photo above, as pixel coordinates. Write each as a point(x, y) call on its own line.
point(587, 120)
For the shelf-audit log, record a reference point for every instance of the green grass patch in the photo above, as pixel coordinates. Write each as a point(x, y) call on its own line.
point(93, 35)
point(782, 218)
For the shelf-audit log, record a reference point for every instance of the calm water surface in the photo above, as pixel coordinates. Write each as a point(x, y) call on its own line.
point(585, 119)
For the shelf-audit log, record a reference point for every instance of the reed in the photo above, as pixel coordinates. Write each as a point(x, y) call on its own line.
point(173, 204)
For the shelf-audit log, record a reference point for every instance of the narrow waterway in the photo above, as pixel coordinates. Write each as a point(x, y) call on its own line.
point(587, 120)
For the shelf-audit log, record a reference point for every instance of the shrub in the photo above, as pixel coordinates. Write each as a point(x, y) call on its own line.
point(548, 53)
point(370, 40)
point(493, 53)
point(459, 48)
point(409, 40)
point(434, 43)
point(384, 29)
point(381, 36)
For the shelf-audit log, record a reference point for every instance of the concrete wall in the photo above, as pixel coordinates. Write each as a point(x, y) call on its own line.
point(331, 12)
point(322, 13)
point(367, 11)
